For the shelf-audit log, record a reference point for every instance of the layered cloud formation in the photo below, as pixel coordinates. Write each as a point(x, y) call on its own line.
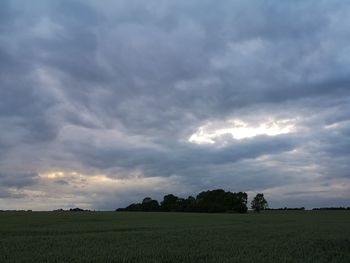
point(102, 104)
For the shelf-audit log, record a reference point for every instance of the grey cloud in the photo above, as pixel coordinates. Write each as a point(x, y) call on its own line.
point(7, 15)
point(18, 180)
point(178, 159)
point(71, 72)
point(6, 194)
point(305, 192)
point(61, 182)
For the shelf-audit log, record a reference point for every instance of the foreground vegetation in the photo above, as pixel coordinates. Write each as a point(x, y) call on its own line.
point(271, 236)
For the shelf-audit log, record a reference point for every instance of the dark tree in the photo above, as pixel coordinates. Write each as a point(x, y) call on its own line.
point(169, 202)
point(146, 200)
point(148, 204)
point(220, 201)
point(77, 209)
point(134, 207)
point(240, 202)
point(190, 204)
point(259, 203)
point(212, 201)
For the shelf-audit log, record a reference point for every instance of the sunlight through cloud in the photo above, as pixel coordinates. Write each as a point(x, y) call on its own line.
point(237, 129)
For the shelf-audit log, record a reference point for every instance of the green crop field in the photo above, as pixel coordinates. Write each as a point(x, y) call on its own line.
point(276, 236)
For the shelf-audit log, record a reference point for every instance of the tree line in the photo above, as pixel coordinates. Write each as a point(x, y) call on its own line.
point(332, 208)
point(211, 201)
point(287, 208)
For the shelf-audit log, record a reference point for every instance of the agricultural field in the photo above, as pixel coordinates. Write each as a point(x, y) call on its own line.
point(272, 236)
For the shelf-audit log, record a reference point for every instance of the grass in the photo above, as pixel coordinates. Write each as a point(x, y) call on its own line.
point(283, 236)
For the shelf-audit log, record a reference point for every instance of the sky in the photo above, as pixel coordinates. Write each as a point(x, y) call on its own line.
point(105, 102)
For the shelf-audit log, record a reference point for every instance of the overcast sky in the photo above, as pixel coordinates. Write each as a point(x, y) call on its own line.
point(105, 102)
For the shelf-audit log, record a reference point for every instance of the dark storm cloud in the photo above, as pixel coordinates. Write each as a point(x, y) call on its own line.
point(121, 86)
point(180, 158)
point(23, 106)
point(61, 182)
point(5, 194)
point(18, 180)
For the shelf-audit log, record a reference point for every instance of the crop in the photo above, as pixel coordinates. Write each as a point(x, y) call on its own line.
point(272, 236)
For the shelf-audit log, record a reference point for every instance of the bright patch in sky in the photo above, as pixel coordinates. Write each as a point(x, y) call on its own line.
point(238, 129)
point(53, 175)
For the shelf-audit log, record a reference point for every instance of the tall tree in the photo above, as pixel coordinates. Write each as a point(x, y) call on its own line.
point(169, 202)
point(148, 204)
point(259, 203)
